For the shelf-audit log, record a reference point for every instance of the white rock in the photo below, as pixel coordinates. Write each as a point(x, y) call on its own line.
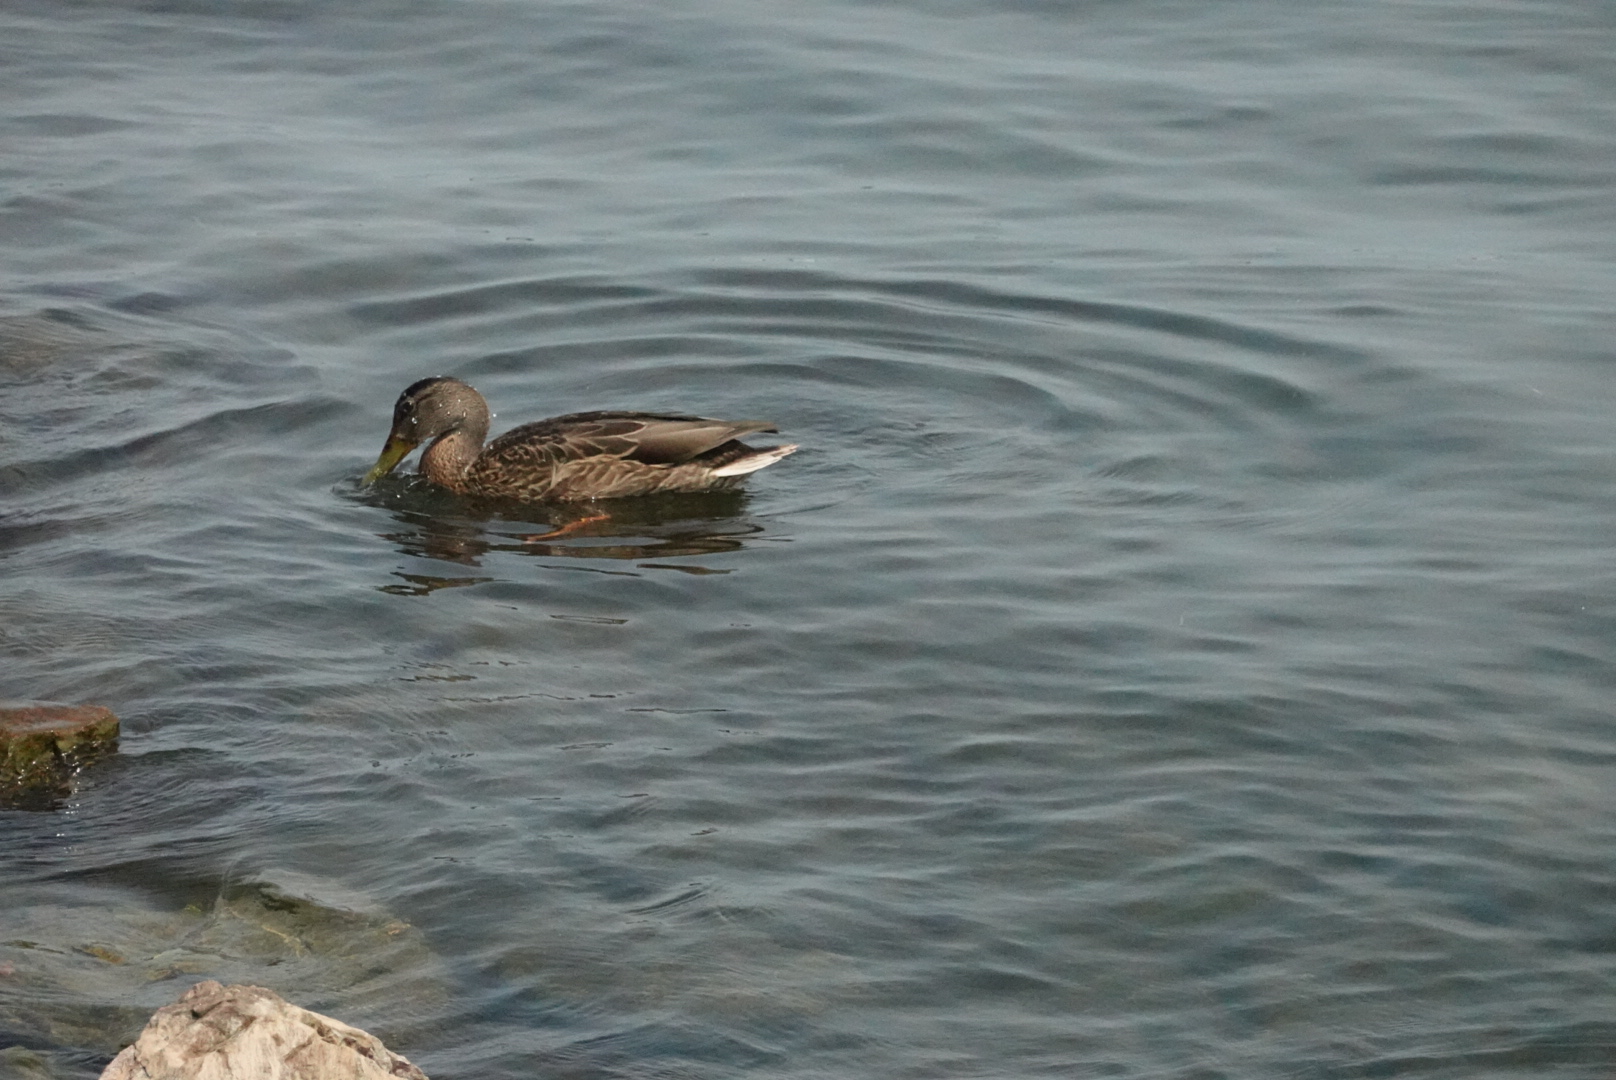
point(220, 1032)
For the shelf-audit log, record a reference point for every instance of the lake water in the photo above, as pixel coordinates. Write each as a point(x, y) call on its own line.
point(1182, 647)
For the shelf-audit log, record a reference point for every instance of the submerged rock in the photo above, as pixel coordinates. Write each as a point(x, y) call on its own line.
point(220, 1032)
point(83, 965)
point(37, 339)
point(20, 1063)
point(42, 747)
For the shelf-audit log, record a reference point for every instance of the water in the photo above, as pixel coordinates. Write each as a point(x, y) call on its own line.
point(1181, 648)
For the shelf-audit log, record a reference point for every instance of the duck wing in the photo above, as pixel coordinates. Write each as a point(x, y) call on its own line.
point(649, 438)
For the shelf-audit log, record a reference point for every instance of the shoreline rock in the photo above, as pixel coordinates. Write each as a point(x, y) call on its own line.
point(217, 1032)
point(42, 747)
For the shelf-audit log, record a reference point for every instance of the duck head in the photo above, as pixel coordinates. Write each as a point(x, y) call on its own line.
point(426, 412)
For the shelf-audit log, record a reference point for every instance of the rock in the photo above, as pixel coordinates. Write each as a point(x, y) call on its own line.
point(84, 965)
point(43, 746)
point(20, 1063)
point(220, 1032)
point(35, 340)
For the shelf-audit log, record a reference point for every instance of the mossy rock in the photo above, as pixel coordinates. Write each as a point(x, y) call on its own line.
point(42, 747)
point(86, 968)
point(19, 1063)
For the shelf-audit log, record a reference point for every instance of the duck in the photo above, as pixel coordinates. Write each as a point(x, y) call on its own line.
point(571, 458)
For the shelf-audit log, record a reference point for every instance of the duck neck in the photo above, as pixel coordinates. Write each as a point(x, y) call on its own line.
point(445, 461)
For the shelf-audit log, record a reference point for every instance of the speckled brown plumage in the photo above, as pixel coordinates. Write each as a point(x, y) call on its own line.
point(592, 455)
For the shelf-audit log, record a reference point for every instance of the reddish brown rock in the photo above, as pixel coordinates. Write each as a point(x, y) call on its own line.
point(43, 746)
point(220, 1032)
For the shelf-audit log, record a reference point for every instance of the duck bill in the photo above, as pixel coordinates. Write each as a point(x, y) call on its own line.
point(396, 450)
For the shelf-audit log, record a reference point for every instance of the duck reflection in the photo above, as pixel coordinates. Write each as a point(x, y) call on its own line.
point(426, 584)
point(654, 527)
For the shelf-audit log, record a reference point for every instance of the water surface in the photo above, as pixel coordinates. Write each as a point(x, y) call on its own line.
point(1181, 648)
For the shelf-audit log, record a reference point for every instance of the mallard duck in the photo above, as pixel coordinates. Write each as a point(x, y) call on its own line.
point(590, 455)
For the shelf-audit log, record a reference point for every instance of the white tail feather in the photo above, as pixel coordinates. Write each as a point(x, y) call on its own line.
point(768, 455)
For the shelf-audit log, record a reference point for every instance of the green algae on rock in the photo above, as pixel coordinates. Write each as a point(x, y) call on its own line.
point(42, 747)
point(84, 964)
